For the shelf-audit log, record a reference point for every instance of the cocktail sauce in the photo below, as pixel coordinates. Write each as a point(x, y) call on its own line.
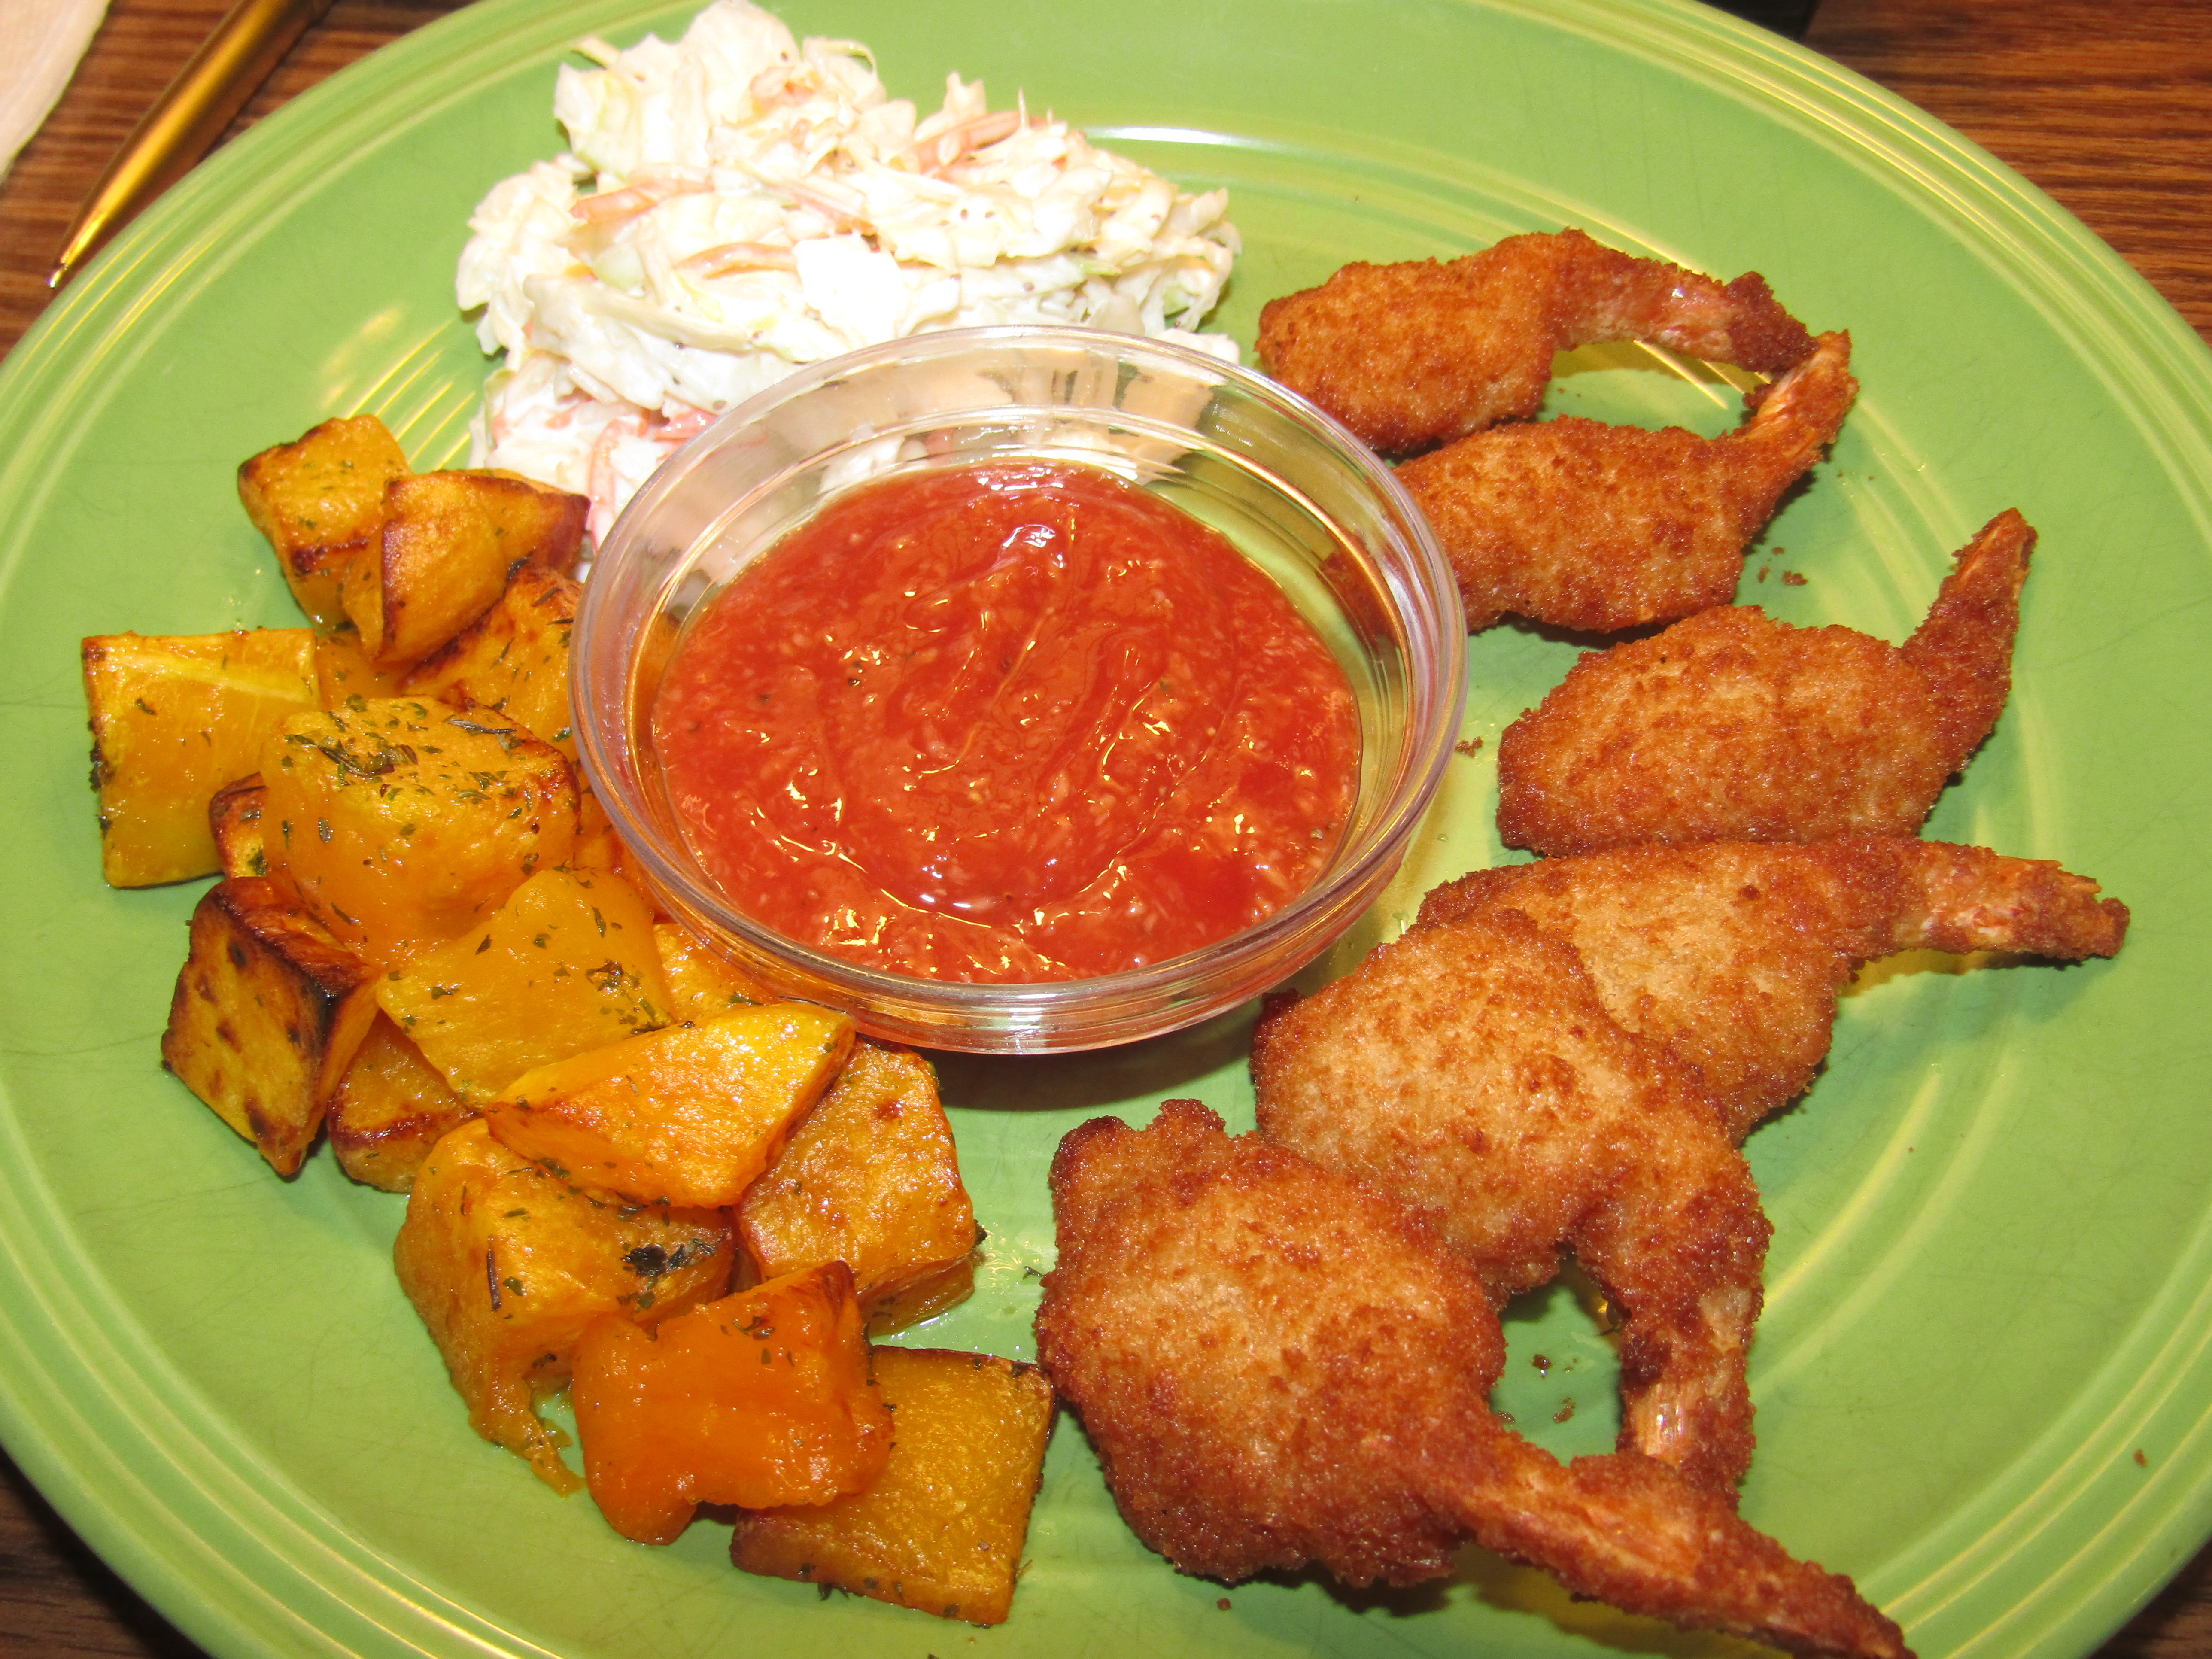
point(1008, 722)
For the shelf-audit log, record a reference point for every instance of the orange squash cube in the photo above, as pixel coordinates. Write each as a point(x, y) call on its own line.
point(174, 720)
point(761, 1399)
point(343, 671)
point(450, 542)
point(319, 500)
point(508, 1267)
point(391, 1109)
point(404, 822)
point(941, 1529)
point(566, 964)
point(268, 1011)
point(871, 1177)
point(925, 1298)
point(234, 821)
point(702, 985)
point(598, 846)
point(688, 1115)
point(514, 658)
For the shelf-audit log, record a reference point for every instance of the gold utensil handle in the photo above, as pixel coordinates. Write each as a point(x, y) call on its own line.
point(187, 119)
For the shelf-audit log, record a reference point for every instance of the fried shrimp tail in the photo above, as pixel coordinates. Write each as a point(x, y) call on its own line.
point(1661, 1537)
point(1731, 726)
point(1603, 528)
point(1968, 898)
point(1414, 355)
point(1473, 1072)
point(1731, 955)
point(1278, 1367)
point(1963, 650)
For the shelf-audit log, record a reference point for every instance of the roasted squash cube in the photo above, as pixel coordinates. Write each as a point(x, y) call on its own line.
point(450, 543)
point(343, 671)
point(701, 984)
point(761, 1399)
point(391, 1109)
point(508, 1267)
point(174, 720)
point(319, 500)
point(566, 964)
point(924, 1297)
point(870, 1177)
point(598, 846)
point(688, 1115)
point(267, 1014)
point(234, 821)
point(404, 822)
point(942, 1527)
point(514, 658)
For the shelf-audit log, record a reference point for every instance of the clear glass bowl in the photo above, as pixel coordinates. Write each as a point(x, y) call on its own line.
point(1297, 494)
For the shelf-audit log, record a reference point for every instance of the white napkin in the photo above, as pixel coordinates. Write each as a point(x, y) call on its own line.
point(41, 42)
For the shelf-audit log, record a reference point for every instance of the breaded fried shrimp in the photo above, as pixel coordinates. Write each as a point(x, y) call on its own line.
point(1731, 726)
point(1471, 1070)
point(1603, 528)
point(1732, 954)
point(1279, 1366)
point(1414, 355)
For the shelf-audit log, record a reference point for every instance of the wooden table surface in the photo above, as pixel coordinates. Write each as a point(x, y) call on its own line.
point(2107, 106)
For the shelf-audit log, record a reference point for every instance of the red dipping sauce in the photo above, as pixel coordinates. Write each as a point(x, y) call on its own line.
point(1011, 722)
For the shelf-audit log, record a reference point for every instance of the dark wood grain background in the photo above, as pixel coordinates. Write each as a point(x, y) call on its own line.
point(2106, 104)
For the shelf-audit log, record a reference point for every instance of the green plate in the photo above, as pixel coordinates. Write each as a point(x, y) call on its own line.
point(1983, 1376)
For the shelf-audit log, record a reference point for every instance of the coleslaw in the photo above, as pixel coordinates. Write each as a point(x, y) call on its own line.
point(735, 203)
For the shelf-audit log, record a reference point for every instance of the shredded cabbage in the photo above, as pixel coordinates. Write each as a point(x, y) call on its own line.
point(734, 205)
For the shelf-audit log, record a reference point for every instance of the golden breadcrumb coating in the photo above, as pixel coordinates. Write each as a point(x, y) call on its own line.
point(1732, 954)
point(1414, 355)
point(1279, 1366)
point(1731, 726)
point(1471, 1070)
point(1603, 528)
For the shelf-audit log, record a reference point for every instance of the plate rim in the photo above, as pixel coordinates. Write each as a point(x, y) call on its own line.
point(2164, 361)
